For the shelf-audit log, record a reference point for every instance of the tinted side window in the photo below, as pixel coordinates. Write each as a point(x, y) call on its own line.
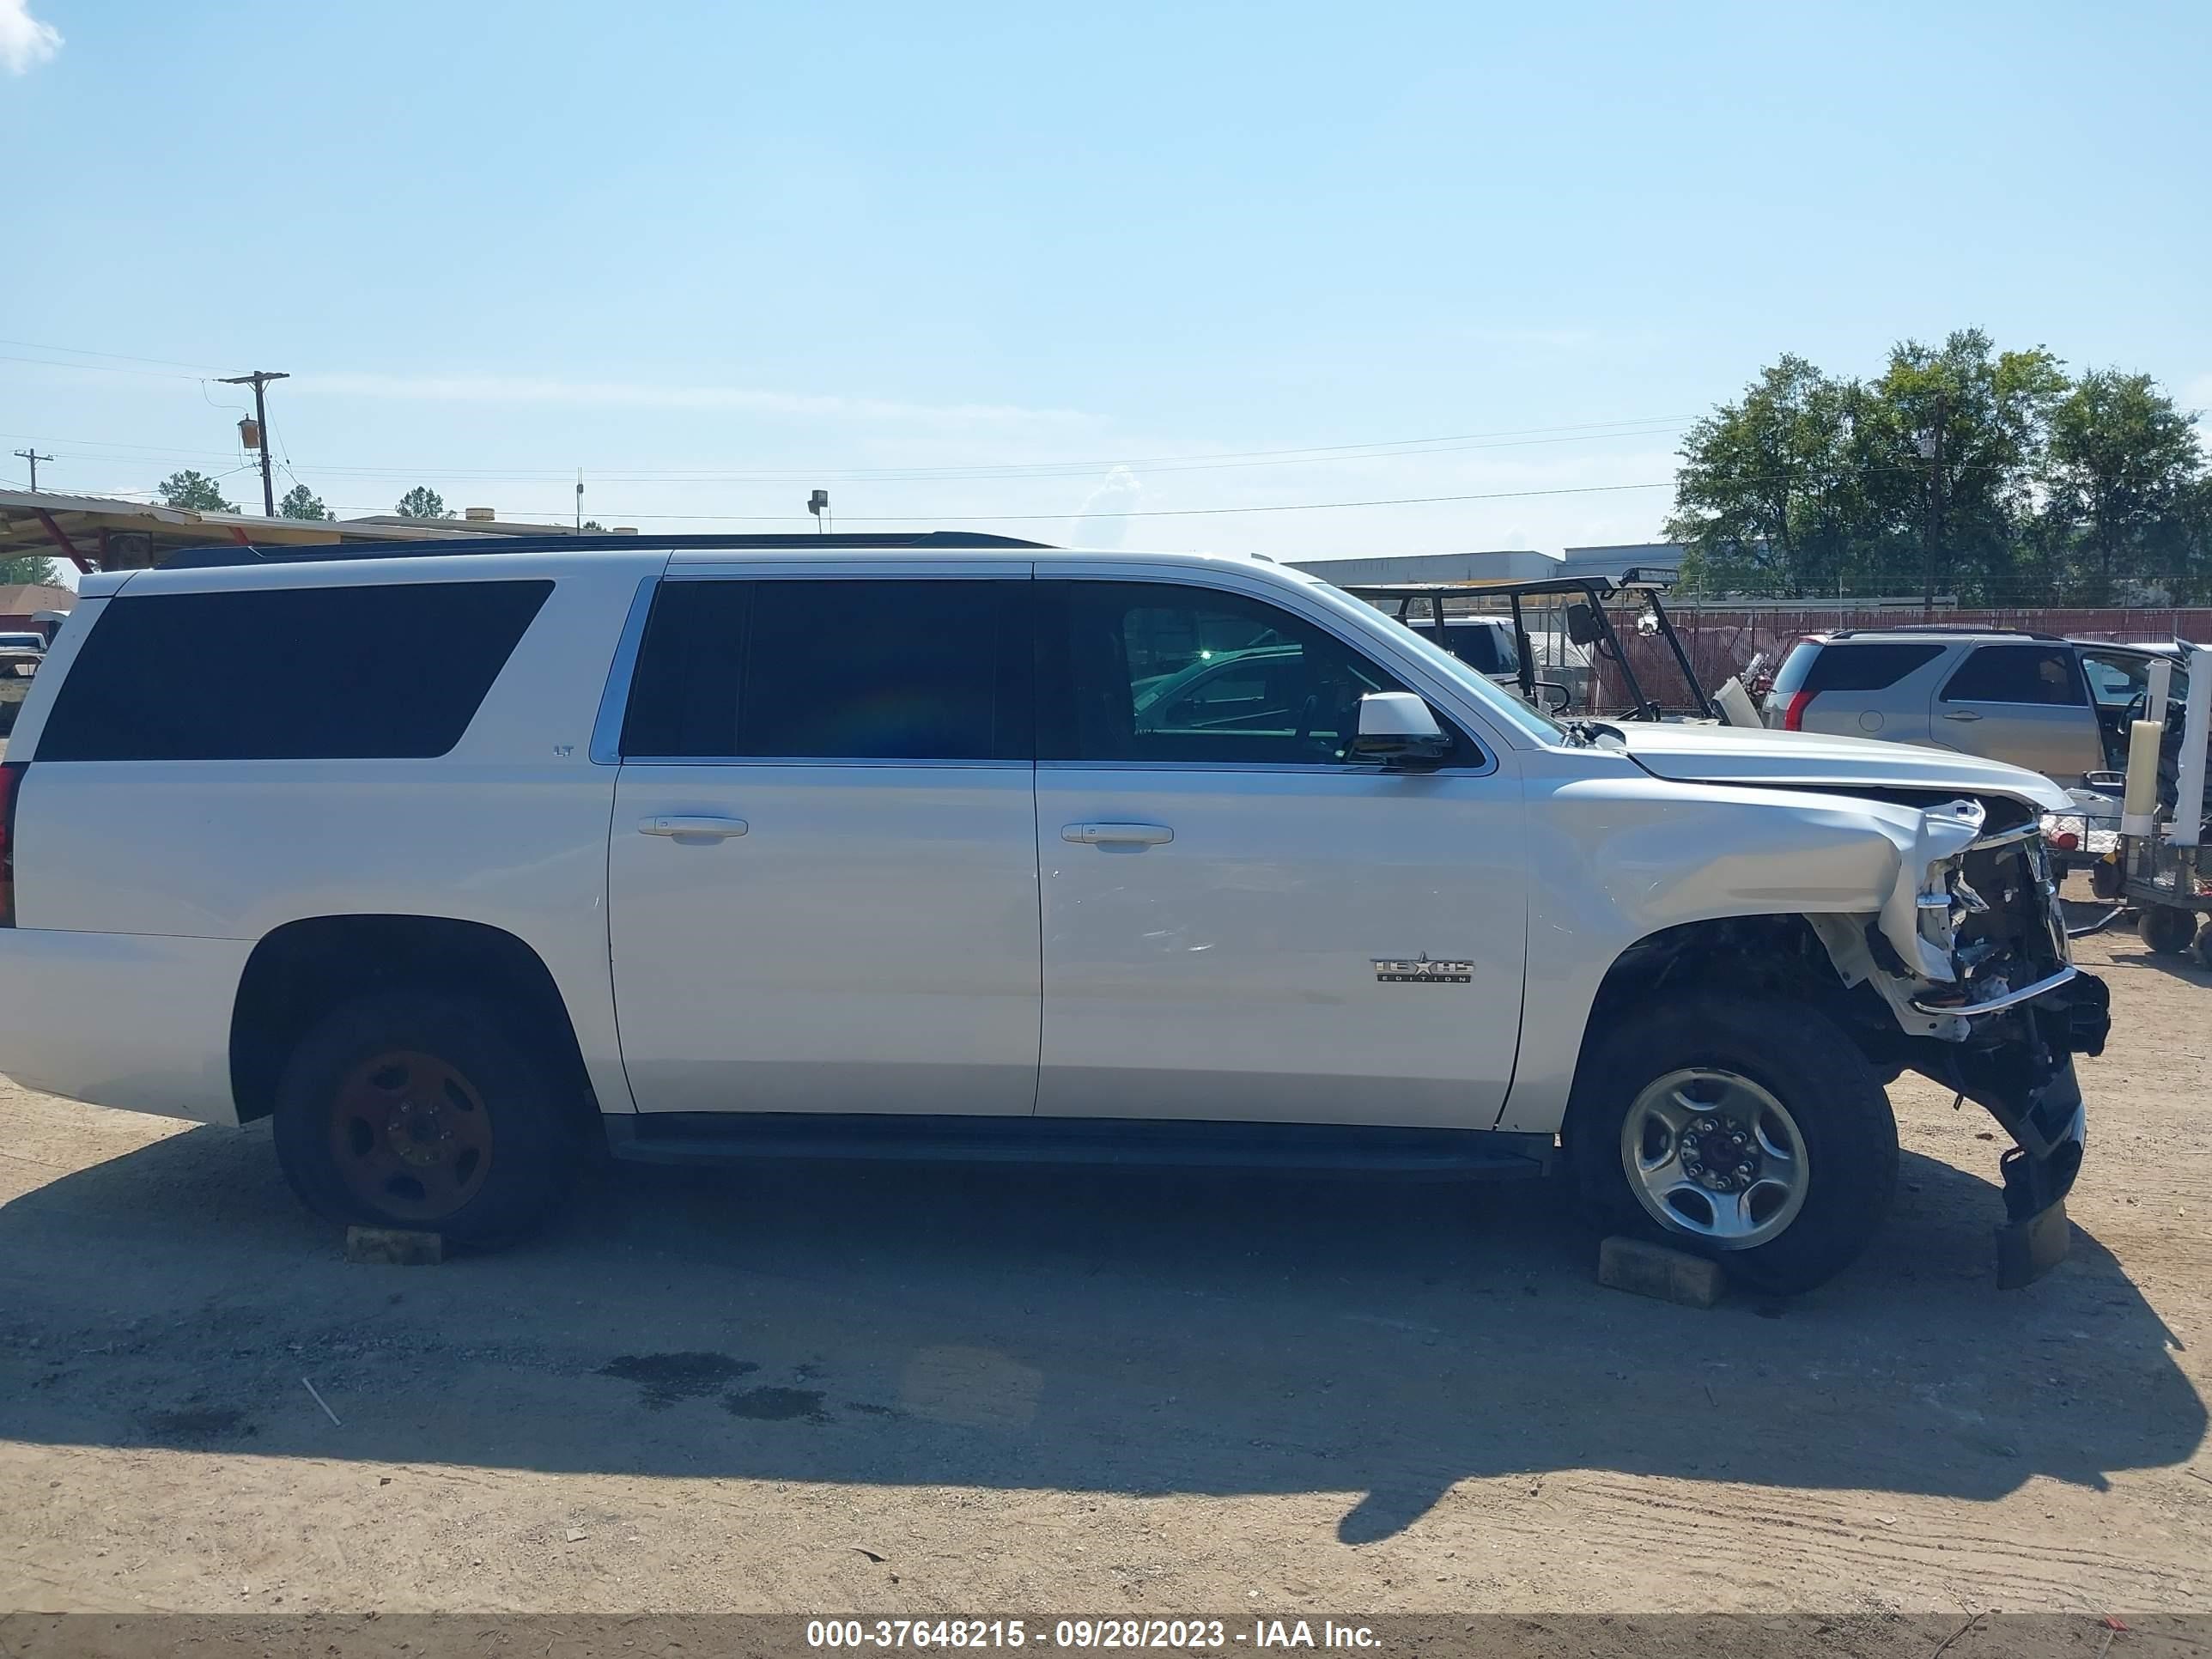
point(1843, 667)
point(2017, 673)
point(390, 673)
point(846, 669)
point(1137, 672)
point(684, 693)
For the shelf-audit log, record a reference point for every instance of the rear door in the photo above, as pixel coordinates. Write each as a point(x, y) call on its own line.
point(822, 864)
point(2023, 701)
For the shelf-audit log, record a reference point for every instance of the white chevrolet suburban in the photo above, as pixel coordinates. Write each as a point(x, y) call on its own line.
point(461, 864)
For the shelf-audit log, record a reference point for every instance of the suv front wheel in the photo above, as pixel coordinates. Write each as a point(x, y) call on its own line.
point(1750, 1129)
point(418, 1109)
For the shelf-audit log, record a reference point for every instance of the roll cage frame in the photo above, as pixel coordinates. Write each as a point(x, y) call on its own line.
point(1593, 591)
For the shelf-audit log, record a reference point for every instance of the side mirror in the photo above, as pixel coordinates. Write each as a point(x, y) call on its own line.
point(1399, 729)
point(1584, 626)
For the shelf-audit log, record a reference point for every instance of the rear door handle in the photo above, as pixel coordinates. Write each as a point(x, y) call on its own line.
point(1961, 714)
point(706, 828)
point(1118, 834)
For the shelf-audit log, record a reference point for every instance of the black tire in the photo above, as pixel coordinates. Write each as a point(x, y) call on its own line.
point(2165, 930)
point(377, 1094)
point(1800, 1058)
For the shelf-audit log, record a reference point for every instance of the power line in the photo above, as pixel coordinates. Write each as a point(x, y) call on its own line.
point(116, 357)
point(105, 369)
point(987, 472)
point(1041, 472)
point(1143, 513)
point(33, 456)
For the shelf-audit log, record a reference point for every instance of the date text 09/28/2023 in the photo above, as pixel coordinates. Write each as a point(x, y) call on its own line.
point(1165, 1634)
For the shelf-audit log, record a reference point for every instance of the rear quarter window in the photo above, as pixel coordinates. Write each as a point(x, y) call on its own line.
point(1847, 665)
point(392, 672)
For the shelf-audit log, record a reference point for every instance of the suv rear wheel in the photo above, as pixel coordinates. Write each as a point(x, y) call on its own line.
point(1749, 1129)
point(418, 1109)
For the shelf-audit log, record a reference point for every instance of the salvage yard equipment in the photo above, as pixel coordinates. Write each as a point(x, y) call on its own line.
point(1584, 622)
point(2157, 866)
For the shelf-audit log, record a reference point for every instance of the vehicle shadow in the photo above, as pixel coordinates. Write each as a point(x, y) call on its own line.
point(1123, 1332)
point(2127, 953)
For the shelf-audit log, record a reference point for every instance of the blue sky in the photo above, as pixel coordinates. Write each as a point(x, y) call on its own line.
point(955, 263)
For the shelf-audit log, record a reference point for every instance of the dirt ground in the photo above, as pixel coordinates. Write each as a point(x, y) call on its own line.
point(822, 1390)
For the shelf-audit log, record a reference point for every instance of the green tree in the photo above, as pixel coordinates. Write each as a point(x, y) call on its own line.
point(33, 568)
point(1814, 485)
point(1770, 494)
point(2124, 476)
point(301, 503)
point(2195, 514)
point(423, 502)
point(1954, 450)
point(195, 491)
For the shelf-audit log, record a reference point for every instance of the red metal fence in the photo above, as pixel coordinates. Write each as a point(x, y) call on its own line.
point(1721, 642)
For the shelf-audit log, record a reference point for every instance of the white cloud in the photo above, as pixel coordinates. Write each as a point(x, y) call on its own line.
point(1102, 521)
point(629, 394)
point(25, 42)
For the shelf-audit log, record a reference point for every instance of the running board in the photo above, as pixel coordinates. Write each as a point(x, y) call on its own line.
point(1139, 1143)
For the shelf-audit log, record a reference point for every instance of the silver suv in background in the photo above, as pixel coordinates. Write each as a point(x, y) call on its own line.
point(2056, 706)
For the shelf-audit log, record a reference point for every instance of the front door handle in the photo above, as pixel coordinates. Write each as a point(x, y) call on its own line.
point(684, 826)
point(1117, 835)
point(1961, 714)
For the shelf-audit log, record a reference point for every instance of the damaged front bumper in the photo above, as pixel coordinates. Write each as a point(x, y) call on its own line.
point(1970, 956)
point(2023, 1075)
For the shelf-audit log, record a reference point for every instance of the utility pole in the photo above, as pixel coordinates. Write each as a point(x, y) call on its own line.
point(1931, 445)
point(259, 380)
point(33, 456)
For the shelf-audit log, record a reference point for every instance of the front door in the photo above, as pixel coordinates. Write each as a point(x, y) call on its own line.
point(1240, 923)
point(822, 862)
point(2023, 702)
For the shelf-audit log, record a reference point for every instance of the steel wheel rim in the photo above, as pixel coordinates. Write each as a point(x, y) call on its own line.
point(410, 1136)
point(1714, 1154)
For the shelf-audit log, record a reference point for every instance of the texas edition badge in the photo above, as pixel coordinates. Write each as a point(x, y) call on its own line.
point(1420, 970)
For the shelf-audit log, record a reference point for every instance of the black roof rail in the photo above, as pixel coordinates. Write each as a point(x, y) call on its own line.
point(1944, 627)
point(219, 555)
